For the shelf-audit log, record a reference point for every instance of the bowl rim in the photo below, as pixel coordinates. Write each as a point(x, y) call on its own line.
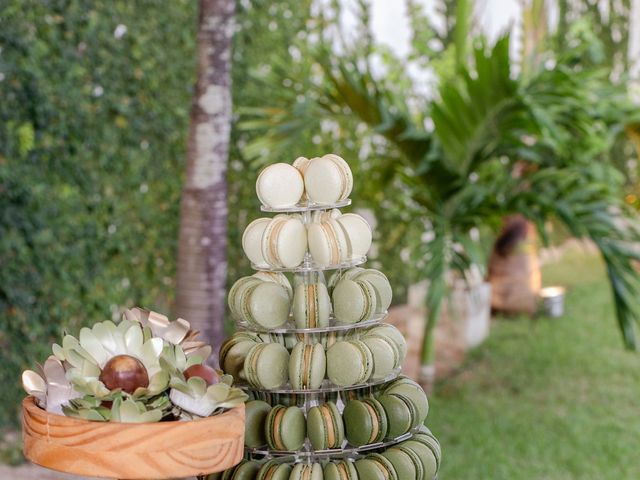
point(30, 405)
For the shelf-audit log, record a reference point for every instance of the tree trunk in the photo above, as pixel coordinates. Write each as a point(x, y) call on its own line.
point(202, 260)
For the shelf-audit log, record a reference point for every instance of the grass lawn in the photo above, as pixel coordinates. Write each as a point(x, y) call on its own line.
point(546, 399)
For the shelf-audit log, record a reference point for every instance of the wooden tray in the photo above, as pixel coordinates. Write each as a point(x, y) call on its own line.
point(132, 450)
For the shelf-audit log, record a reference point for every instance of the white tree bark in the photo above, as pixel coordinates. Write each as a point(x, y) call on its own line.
point(202, 260)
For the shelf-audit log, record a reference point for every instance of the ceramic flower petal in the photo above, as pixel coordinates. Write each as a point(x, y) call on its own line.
point(218, 393)
point(192, 404)
point(35, 385)
point(89, 341)
point(58, 351)
point(105, 336)
point(133, 339)
point(153, 347)
point(157, 384)
point(59, 389)
point(129, 411)
point(75, 359)
point(177, 331)
point(200, 349)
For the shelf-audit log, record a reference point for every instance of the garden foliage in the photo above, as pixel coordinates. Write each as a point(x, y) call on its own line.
point(95, 99)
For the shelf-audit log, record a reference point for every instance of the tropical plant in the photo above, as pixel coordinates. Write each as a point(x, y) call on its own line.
point(490, 144)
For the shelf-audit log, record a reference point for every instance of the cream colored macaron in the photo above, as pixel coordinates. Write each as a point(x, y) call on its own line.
point(327, 181)
point(346, 173)
point(301, 163)
point(252, 240)
point(324, 215)
point(275, 277)
point(284, 242)
point(359, 234)
point(328, 243)
point(280, 185)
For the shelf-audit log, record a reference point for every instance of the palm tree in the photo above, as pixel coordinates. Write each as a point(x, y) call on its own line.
point(202, 261)
point(500, 144)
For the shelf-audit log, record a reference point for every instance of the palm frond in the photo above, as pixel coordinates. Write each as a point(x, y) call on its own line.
point(474, 108)
point(592, 209)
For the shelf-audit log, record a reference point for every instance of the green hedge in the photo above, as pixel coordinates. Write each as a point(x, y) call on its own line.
point(93, 120)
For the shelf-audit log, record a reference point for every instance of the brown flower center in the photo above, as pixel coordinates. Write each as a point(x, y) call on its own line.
point(124, 372)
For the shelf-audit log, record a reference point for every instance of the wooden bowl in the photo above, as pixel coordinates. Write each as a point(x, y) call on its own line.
point(132, 450)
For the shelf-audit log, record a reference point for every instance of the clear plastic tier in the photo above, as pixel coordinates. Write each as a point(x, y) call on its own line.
point(307, 207)
point(308, 265)
point(327, 386)
point(307, 451)
point(334, 326)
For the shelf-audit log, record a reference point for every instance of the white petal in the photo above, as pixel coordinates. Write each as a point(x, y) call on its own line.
point(129, 412)
point(197, 385)
point(34, 384)
point(157, 345)
point(54, 372)
point(105, 336)
point(92, 344)
point(131, 315)
point(197, 406)
point(158, 323)
point(133, 340)
point(58, 351)
point(177, 331)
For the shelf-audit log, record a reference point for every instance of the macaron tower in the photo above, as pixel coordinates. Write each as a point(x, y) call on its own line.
point(312, 351)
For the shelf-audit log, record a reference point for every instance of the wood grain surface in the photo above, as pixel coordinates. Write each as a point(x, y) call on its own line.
point(132, 450)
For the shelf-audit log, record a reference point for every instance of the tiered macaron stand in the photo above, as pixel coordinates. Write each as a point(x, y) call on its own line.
point(307, 272)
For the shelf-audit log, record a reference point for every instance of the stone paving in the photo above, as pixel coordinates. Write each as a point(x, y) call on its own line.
point(31, 472)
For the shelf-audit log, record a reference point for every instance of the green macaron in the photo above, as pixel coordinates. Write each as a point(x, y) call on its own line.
point(274, 470)
point(413, 457)
point(236, 292)
point(412, 390)
point(402, 463)
point(401, 413)
point(338, 275)
point(246, 470)
point(256, 412)
point(375, 467)
point(430, 464)
point(385, 356)
point(276, 277)
point(265, 304)
point(306, 471)
point(307, 366)
point(349, 363)
point(365, 422)
point(266, 366)
point(325, 427)
point(285, 428)
point(389, 332)
point(427, 438)
point(233, 353)
point(311, 305)
point(340, 470)
point(353, 301)
point(381, 285)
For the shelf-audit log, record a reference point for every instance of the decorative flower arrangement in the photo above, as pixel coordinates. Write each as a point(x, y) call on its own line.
point(144, 369)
